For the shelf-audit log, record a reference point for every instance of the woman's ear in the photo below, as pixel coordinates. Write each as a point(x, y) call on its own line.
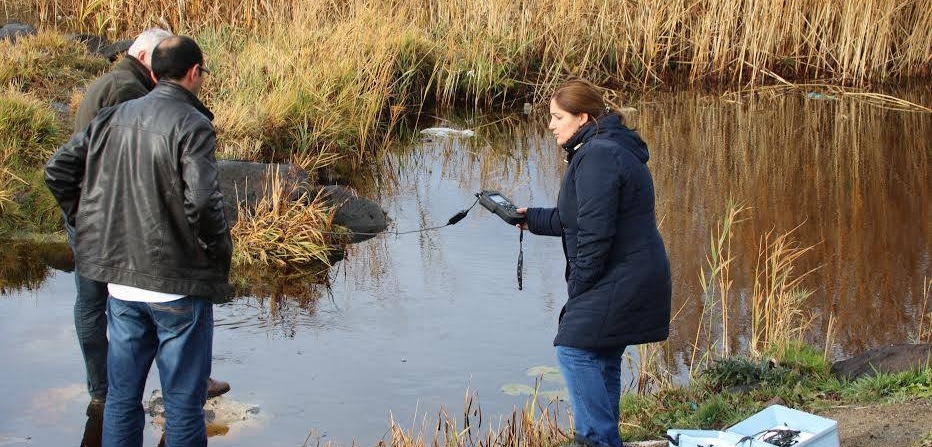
point(585, 118)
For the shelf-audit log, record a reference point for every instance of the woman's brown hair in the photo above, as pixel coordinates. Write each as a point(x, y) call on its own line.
point(579, 96)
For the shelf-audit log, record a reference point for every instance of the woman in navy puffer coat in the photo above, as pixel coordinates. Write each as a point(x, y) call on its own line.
point(617, 272)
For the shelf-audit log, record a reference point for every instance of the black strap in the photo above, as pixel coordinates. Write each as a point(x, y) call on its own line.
point(521, 260)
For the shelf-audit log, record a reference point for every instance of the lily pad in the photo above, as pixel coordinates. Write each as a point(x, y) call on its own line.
point(549, 373)
point(517, 389)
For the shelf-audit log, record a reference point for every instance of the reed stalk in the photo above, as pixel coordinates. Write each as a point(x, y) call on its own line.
point(716, 284)
point(924, 328)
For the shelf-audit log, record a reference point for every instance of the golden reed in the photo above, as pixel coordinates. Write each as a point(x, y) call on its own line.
point(631, 41)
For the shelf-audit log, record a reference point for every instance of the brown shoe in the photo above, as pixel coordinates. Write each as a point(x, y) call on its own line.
point(216, 388)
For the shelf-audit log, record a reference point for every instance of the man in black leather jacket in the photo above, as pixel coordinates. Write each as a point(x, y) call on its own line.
point(131, 78)
point(139, 184)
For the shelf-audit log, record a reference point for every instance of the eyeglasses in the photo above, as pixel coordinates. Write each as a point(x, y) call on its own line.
point(202, 69)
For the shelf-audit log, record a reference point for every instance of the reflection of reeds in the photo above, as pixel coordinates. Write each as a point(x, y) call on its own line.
point(25, 265)
point(852, 171)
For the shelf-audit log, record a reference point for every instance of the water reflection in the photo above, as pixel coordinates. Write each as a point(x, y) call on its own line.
point(406, 323)
point(26, 265)
point(94, 427)
point(851, 175)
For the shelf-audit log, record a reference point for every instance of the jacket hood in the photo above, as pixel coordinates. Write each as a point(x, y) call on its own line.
point(609, 127)
point(174, 90)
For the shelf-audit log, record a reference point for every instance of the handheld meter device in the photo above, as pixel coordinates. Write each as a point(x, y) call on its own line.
point(495, 202)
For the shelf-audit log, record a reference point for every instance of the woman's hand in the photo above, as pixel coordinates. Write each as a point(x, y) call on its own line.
point(522, 225)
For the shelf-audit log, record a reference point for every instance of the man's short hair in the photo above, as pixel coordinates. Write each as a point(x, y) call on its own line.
point(147, 41)
point(173, 57)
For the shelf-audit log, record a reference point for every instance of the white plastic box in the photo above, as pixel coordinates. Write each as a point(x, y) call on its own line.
point(702, 438)
point(815, 431)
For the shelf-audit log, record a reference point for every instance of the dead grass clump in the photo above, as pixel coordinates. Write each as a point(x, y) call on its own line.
point(48, 65)
point(280, 232)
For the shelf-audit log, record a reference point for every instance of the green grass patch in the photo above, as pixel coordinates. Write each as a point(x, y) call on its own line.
point(29, 130)
point(733, 389)
point(29, 133)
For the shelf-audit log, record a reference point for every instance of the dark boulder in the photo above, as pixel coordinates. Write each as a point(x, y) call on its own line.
point(12, 30)
point(247, 183)
point(94, 44)
point(887, 359)
point(114, 50)
point(363, 217)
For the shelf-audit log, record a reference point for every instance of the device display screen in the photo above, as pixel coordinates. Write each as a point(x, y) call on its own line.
point(498, 199)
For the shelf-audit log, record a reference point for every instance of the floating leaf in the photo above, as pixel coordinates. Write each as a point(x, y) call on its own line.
point(549, 373)
point(517, 389)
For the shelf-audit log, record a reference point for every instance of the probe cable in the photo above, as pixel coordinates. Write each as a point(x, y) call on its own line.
point(453, 221)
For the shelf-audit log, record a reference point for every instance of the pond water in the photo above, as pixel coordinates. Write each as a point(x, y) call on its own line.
point(412, 323)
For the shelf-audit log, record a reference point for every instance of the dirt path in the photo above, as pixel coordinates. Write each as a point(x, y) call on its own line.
point(896, 425)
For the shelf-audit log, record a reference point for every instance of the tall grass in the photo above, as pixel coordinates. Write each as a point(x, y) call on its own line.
point(716, 282)
point(47, 65)
point(533, 425)
point(779, 312)
point(29, 131)
point(491, 46)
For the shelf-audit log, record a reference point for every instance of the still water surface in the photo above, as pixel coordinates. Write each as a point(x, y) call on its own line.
point(410, 323)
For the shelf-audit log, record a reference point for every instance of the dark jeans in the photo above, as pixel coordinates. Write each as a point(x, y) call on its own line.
point(90, 324)
point(593, 379)
point(178, 335)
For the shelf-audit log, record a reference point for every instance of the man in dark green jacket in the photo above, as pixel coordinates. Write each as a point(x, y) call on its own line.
point(131, 78)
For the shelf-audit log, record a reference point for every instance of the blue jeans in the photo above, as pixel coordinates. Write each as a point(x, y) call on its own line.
point(90, 324)
point(178, 335)
point(593, 379)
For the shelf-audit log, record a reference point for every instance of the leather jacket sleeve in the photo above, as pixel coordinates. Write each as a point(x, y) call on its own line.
point(64, 173)
point(203, 202)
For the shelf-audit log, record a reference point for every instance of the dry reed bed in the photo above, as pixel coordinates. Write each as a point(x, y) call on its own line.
point(851, 41)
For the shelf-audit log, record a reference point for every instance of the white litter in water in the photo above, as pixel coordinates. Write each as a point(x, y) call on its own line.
point(447, 132)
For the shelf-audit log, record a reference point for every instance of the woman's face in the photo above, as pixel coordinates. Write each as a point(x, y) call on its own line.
point(564, 124)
